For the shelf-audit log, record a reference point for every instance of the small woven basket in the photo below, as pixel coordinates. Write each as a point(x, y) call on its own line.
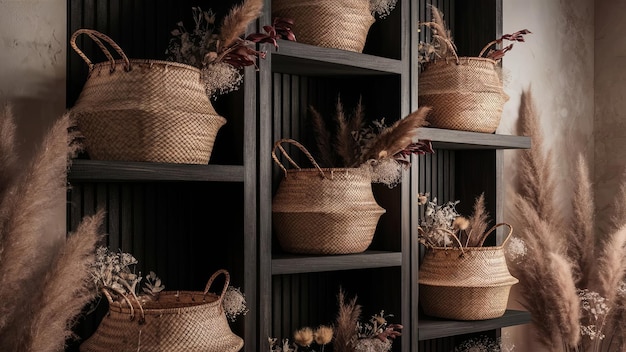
point(323, 211)
point(144, 110)
point(340, 24)
point(468, 283)
point(465, 93)
point(179, 321)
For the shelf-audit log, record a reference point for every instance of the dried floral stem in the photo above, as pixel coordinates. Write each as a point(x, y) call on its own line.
point(347, 319)
point(478, 222)
point(581, 241)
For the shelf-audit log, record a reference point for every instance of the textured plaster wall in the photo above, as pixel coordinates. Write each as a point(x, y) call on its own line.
point(32, 71)
point(610, 103)
point(556, 64)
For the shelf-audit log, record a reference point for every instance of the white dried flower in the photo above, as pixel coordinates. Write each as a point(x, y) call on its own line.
point(483, 344)
point(372, 345)
point(594, 307)
point(387, 171)
point(234, 303)
point(220, 78)
point(516, 249)
point(438, 222)
point(382, 8)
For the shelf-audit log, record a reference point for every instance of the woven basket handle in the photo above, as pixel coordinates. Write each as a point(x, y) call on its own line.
point(278, 145)
point(96, 36)
point(212, 278)
point(506, 239)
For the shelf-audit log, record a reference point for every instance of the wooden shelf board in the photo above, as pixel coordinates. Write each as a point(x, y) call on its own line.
point(432, 328)
point(293, 264)
point(98, 170)
point(303, 59)
point(453, 139)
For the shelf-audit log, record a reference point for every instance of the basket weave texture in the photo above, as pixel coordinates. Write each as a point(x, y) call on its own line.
point(340, 24)
point(472, 283)
point(144, 110)
point(323, 211)
point(180, 321)
point(465, 94)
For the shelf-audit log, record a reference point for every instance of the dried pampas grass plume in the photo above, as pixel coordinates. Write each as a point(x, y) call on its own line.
point(398, 136)
point(347, 319)
point(235, 23)
point(45, 284)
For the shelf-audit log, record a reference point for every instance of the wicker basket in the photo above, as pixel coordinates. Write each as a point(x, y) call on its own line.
point(323, 211)
point(465, 93)
point(144, 110)
point(179, 321)
point(340, 24)
point(468, 283)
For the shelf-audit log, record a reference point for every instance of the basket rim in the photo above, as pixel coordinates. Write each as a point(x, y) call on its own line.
point(203, 302)
point(509, 282)
point(462, 59)
point(107, 64)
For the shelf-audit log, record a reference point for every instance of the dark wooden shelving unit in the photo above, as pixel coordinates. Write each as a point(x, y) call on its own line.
point(433, 328)
point(292, 264)
point(172, 215)
point(97, 170)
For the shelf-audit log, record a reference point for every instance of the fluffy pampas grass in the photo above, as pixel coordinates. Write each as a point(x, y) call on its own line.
point(45, 284)
point(576, 302)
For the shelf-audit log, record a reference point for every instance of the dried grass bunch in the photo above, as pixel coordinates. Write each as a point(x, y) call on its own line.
point(45, 282)
point(220, 52)
point(384, 150)
point(441, 45)
point(349, 333)
point(572, 283)
point(443, 226)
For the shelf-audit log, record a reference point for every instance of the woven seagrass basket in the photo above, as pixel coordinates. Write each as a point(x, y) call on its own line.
point(144, 110)
point(178, 321)
point(323, 211)
point(340, 24)
point(465, 93)
point(468, 283)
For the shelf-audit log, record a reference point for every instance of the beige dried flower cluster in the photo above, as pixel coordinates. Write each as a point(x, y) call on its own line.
point(571, 282)
point(443, 226)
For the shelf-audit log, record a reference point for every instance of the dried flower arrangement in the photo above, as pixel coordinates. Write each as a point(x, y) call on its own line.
point(443, 226)
point(44, 274)
point(442, 45)
point(114, 274)
point(484, 344)
point(572, 283)
point(383, 150)
point(221, 56)
point(349, 334)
